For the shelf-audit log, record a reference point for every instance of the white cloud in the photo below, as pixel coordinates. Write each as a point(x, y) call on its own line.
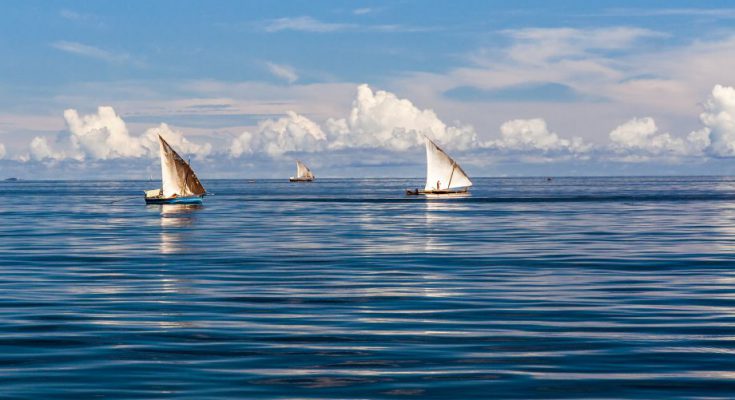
point(381, 119)
point(2, 151)
point(71, 15)
point(176, 139)
point(104, 136)
point(687, 12)
point(41, 150)
point(95, 52)
point(537, 45)
point(719, 121)
point(89, 19)
point(638, 139)
point(640, 136)
point(533, 135)
point(309, 24)
point(377, 120)
point(303, 24)
point(284, 72)
point(362, 11)
point(293, 132)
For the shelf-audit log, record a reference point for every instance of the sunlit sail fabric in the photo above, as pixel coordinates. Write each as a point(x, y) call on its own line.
point(302, 171)
point(176, 175)
point(442, 172)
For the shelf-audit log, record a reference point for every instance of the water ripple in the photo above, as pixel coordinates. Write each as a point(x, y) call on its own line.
point(574, 288)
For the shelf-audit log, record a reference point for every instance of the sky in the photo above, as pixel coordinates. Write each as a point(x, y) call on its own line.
point(523, 88)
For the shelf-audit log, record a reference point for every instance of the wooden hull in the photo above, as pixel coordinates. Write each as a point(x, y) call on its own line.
point(301, 179)
point(174, 200)
point(417, 192)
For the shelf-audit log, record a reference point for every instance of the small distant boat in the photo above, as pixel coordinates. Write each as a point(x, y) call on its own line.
point(303, 173)
point(443, 174)
point(179, 184)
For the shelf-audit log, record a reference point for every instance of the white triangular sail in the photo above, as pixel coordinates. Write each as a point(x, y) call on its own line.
point(442, 172)
point(302, 171)
point(177, 177)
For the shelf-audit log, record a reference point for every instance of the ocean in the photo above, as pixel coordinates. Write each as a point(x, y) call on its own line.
point(593, 288)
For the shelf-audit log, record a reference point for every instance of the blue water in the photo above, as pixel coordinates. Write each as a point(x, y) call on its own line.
point(574, 288)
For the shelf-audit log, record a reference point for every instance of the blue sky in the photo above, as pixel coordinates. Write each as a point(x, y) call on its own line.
point(509, 88)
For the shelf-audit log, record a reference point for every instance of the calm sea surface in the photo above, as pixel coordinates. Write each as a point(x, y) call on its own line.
point(574, 288)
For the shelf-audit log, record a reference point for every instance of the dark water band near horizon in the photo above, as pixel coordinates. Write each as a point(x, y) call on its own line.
point(593, 288)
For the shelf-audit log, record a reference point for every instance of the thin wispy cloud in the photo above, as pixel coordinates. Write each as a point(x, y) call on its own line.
point(547, 43)
point(310, 24)
point(362, 11)
point(82, 18)
point(281, 71)
point(687, 12)
point(97, 53)
point(71, 15)
point(303, 24)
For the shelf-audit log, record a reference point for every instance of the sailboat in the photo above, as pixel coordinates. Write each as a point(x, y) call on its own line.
point(179, 184)
point(303, 173)
point(443, 174)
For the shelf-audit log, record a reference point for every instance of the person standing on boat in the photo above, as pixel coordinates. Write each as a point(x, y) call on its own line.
point(438, 185)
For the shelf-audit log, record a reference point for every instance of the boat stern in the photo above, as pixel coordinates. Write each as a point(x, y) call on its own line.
point(153, 193)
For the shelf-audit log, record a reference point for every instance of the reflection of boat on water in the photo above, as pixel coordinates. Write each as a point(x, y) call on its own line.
point(178, 214)
point(443, 175)
point(174, 217)
point(179, 184)
point(303, 173)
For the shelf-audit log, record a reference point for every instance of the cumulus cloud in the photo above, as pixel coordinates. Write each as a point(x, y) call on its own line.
point(719, 121)
point(293, 132)
point(40, 149)
point(381, 119)
point(533, 135)
point(377, 120)
point(104, 135)
point(641, 135)
point(176, 139)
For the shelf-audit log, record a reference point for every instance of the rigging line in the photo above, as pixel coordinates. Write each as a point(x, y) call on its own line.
point(124, 199)
point(454, 166)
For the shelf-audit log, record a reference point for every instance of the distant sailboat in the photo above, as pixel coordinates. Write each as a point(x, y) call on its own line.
point(179, 183)
point(303, 173)
point(443, 174)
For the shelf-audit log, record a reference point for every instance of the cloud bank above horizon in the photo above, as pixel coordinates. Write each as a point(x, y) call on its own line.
point(380, 120)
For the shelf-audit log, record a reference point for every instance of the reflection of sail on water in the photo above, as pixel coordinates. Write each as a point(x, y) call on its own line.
point(174, 217)
point(439, 235)
point(442, 172)
point(176, 175)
